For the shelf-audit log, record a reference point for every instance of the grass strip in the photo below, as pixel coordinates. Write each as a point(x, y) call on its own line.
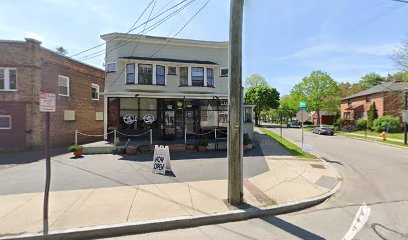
point(292, 148)
point(388, 142)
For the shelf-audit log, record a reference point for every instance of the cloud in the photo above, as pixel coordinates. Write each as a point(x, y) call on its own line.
point(98, 10)
point(35, 36)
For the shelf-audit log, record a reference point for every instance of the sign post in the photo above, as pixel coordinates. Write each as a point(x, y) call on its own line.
point(47, 105)
point(302, 116)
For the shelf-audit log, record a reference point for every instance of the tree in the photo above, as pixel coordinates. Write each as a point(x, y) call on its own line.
point(370, 80)
point(372, 115)
point(346, 89)
point(61, 50)
point(288, 106)
point(264, 97)
point(403, 76)
point(255, 80)
point(400, 56)
point(319, 91)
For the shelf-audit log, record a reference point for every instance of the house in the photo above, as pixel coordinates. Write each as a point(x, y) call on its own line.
point(26, 68)
point(175, 87)
point(326, 118)
point(388, 99)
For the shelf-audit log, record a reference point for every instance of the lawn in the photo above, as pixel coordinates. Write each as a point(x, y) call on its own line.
point(292, 148)
point(373, 139)
point(376, 134)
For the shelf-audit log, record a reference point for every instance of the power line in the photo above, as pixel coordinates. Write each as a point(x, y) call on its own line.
point(126, 39)
point(403, 1)
point(134, 28)
point(161, 47)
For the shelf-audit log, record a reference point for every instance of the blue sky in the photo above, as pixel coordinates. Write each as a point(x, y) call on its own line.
point(284, 40)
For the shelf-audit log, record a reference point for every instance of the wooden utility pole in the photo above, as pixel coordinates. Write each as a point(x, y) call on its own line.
point(235, 178)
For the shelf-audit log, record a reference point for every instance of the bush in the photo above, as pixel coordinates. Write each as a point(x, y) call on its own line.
point(361, 124)
point(247, 139)
point(340, 122)
point(380, 124)
point(202, 142)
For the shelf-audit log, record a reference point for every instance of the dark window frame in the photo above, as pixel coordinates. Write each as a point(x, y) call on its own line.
point(212, 77)
point(200, 82)
point(130, 74)
point(141, 74)
point(182, 76)
point(171, 73)
point(163, 75)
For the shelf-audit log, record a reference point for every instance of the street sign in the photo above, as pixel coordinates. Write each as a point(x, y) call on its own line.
point(302, 106)
point(302, 115)
point(405, 116)
point(47, 102)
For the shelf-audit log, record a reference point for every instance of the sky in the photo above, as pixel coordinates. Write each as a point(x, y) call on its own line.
point(283, 40)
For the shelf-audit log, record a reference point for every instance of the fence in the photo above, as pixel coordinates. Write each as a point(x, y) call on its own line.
point(115, 134)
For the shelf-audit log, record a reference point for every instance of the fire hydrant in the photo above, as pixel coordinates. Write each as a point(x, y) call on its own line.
point(383, 136)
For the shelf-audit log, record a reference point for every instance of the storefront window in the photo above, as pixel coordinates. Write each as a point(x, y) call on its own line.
point(128, 113)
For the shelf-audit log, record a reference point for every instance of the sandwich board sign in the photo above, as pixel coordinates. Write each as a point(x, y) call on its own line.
point(161, 159)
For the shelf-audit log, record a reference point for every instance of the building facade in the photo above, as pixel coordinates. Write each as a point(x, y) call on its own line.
point(388, 98)
point(26, 68)
point(172, 86)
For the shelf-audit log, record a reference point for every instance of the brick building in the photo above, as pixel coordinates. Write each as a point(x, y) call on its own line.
point(388, 98)
point(25, 69)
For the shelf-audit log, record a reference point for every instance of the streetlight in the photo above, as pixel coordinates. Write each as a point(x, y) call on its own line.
point(406, 108)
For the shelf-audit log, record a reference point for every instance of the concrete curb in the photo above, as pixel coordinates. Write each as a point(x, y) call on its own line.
point(114, 230)
point(382, 143)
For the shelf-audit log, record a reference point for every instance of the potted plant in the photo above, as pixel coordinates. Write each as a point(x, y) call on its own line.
point(202, 145)
point(77, 150)
point(247, 141)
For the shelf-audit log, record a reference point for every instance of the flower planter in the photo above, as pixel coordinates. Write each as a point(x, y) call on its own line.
point(78, 152)
point(190, 147)
point(202, 148)
point(131, 150)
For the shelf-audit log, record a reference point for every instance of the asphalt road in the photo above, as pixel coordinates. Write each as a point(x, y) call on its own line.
point(373, 173)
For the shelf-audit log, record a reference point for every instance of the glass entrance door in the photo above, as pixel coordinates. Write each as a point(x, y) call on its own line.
point(169, 124)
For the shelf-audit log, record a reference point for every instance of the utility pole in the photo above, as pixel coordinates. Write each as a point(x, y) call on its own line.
point(235, 179)
point(406, 123)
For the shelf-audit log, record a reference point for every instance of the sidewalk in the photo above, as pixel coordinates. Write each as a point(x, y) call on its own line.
point(288, 179)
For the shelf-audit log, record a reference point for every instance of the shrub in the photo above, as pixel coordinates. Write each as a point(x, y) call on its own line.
point(202, 142)
point(380, 124)
point(361, 124)
point(74, 148)
point(247, 139)
point(340, 122)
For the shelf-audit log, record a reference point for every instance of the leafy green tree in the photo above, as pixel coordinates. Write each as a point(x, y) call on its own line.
point(370, 80)
point(372, 115)
point(346, 89)
point(288, 106)
point(255, 80)
point(264, 97)
point(319, 90)
point(400, 75)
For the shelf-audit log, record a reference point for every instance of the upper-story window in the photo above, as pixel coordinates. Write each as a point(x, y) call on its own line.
point(171, 70)
point(130, 73)
point(183, 76)
point(145, 74)
point(197, 76)
point(224, 72)
point(210, 77)
point(63, 85)
point(95, 91)
point(160, 72)
point(5, 121)
point(8, 79)
point(111, 67)
point(347, 115)
point(349, 102)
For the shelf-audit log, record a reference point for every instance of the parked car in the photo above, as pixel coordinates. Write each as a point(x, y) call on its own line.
point(293, 124)
point(324, 129)
point(307, 122)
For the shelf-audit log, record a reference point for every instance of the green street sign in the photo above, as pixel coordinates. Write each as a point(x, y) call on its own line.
point(302, 105)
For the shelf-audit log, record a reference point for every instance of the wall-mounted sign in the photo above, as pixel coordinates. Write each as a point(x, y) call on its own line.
point(189, 105)
point(161, 159)
point(169, 107)
point(179, 105)
point(148, 118)
point(47, 102)
point(129, 119)
point(224, 102)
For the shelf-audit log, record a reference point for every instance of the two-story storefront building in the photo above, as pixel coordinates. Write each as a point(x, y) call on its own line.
point(167, 85)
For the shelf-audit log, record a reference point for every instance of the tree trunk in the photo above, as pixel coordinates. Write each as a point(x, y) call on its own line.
point(256, 119)
point(318, 116)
